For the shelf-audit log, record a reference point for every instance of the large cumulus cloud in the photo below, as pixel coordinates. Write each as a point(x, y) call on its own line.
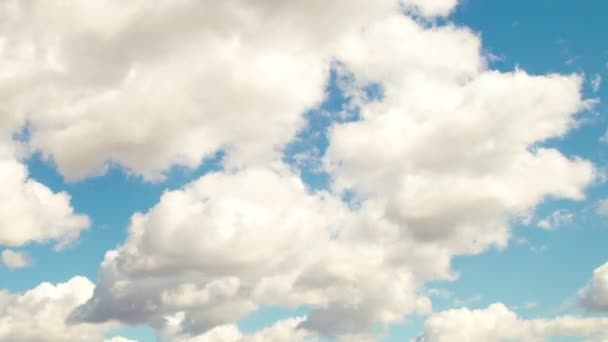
point(442, 161)
point(450, 151)
point(228, 243)
point(439, 164)
point(148, 85)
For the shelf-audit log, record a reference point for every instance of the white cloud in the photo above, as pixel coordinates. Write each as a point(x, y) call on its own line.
point(594, 297)
point(14, 260)
point(498, 323)
point(596, 83)
point(442, 162)
point(602, 207)
point(556, 219)
point(149, 85)
point(31, 212)
point(448, 154)
point(40, 313)
point(287, 248)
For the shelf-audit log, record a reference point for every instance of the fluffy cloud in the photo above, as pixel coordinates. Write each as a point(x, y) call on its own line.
point(149, 85)
point(498, 323)
point(255, 237)
point(40, 313)
point(31, 212)
point(451, 153)
point(15, 260)
point(442, 163)
point(594, 297)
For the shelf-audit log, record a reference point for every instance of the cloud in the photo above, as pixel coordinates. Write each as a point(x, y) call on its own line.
point(556, 219)
point(287, 247)
point(14, 260)
point(442, 163)
point(602, 207)
point(450, 153)
point(31, 212)
point(594, 296)
point(39, 314)
point(148, 86)
point(596, 83)
point(498, 323)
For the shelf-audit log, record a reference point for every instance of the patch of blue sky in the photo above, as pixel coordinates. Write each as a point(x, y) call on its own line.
point(306, 151)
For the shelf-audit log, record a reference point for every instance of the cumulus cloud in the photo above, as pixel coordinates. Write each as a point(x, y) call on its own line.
point(13, 259)
point(251, 238)
point(450, 152)
point(148, 85)
point(443, 161)
point(498, 323)
point(31, 212)
point(40, 313)
point(594, 297)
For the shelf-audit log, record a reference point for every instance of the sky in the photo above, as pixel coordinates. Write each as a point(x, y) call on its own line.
point(414, 170)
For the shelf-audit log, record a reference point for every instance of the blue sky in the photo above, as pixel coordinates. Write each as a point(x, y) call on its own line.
point(538, 275)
